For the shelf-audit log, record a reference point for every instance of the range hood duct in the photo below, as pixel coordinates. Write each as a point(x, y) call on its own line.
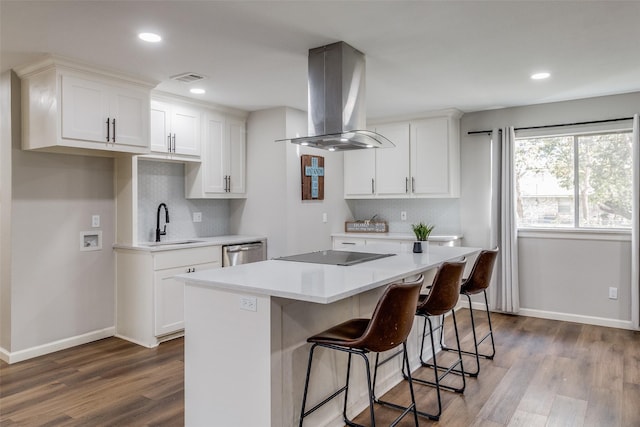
point(337, 120)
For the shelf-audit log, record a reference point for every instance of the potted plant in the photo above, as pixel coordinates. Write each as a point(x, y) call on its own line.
point(422, 231)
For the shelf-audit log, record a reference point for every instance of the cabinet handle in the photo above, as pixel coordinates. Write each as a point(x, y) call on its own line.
point(174, 143)
point(229, 184)
point(373, 188)
point(406, 185)
point(114, 130)
point(169, 143)
point(413, 184)
point(108, 136)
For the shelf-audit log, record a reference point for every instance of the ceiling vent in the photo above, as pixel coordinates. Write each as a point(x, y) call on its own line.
point(188, 77)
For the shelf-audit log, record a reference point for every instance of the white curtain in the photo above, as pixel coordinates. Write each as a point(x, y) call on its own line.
point(635, 228)
point(504, 293)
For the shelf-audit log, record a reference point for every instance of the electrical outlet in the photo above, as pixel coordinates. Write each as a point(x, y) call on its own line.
point(403, 215)
point(613, 293)
point(197, 217)
point(324, 217)
point(248, 303)
point(95, 221)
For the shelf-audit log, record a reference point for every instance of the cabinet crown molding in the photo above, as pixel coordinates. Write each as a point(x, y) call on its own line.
point(51, 61)
point(452, 113)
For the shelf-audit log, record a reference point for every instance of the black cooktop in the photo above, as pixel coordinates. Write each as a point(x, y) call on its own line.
point(334, 257)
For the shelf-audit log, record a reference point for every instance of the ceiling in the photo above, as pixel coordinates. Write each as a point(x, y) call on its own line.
point(421, 55)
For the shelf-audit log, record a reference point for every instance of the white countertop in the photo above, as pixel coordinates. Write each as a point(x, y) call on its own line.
point(398, 236)
point(321, 283)
point(194, 243)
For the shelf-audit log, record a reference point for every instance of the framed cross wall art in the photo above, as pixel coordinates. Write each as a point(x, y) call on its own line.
point(312, 169)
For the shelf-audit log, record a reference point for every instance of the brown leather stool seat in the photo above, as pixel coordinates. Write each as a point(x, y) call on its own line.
point(478, 282)
point(388, 328)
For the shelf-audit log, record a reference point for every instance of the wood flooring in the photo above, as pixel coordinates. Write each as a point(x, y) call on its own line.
point(545, 373)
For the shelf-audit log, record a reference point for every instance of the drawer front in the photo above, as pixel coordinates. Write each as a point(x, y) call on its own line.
point(187, 257)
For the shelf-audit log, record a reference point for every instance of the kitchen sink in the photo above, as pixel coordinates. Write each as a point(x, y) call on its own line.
point(171, 242)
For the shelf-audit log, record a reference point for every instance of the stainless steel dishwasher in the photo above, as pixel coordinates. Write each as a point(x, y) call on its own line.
point(243, 253)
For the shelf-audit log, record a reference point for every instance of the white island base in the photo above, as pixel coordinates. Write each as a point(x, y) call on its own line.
point(247, 368)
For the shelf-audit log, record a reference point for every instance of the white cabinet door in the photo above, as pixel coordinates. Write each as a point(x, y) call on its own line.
point(85, 109)
point(359, 173)
point(214, 163)
point(392, 164)
point(175, 128)
point(185, 128)
point(236, 142)
point(169, 298)
point(160, 128)
point(430, 161)
point(130, 109)
point(97, 112)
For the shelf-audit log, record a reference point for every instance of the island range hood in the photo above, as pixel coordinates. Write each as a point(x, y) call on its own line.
point(337, 120)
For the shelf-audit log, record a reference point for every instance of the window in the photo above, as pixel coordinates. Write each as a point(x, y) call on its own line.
point(574, 181)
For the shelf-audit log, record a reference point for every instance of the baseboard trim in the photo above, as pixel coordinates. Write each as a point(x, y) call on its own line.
point(41, 350)
point(565, 317)
point(577, 318)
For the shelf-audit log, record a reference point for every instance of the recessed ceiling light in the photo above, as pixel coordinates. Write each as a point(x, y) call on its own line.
point(197, 91)
point(369, 146)
point(150, 37)
point(540, 76)
point(332, 149)
point(304, 143)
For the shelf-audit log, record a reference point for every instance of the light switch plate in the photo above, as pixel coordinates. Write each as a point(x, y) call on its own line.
point(95, 221)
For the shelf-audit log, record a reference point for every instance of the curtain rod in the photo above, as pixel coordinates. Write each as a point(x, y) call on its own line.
point(475, 132)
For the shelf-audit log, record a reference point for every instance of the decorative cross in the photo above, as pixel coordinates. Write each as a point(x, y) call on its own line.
point(314, 171)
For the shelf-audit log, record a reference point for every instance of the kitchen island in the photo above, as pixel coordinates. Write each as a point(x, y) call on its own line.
point(246, 329)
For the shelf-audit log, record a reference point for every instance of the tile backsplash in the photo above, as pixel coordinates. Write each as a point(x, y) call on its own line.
point(163, 182)
point(443, 213)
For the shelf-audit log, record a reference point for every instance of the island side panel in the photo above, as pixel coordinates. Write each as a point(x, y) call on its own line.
point(228, 359)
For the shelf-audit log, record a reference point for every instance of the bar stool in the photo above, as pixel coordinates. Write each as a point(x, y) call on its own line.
point(442, 299)
point(478, 281)
point(388, 327)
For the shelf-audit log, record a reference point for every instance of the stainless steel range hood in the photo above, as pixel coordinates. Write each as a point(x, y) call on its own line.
point(337, 120)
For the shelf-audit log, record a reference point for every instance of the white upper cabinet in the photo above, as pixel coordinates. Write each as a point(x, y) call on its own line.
point(425, 161)
point(70, 108)
point(175, 129)
point(359, 173)
point(221, 174)
point(236, 147)
point(435, 158)
point(392, 164)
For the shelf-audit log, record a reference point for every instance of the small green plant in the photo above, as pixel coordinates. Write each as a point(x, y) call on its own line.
point(422, 230)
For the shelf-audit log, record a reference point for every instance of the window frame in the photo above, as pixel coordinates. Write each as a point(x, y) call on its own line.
point(575, 131)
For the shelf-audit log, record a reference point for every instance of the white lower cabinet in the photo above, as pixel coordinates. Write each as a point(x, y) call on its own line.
point(169, 297)
point(150, 303)
point(394, 244)
point(358, 243)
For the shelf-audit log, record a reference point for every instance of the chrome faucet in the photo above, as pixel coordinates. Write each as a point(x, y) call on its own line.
point(166, 220)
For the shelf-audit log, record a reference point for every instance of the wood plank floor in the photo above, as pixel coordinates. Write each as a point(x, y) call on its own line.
point(545, 373)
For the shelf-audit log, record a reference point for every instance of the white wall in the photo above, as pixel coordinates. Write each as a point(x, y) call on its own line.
point(559, 278)
point(274, 205)
point(59, 293)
